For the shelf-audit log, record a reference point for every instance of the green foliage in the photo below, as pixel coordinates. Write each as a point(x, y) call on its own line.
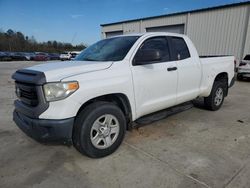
point(18, 42)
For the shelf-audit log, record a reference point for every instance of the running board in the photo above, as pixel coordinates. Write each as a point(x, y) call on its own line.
point(162, 114)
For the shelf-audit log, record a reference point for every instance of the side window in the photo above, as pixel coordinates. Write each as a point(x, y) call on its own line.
point(181, 48)
point(157, 43)
point(247, 57)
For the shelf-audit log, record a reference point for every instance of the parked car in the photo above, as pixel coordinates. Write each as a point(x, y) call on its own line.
point(29, 55)
point(74, 54)
point(5, 56)
point(113, 83)
point(65, 56)
point(244, 68)
point(41, 56)
point(54, 56)
point(18, 56)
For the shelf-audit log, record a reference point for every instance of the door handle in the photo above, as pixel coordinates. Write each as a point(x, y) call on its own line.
point(172, 68)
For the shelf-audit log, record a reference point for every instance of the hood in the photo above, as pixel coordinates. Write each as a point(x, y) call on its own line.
point(59, 70)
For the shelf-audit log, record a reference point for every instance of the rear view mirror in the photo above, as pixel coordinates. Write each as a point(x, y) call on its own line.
point(149, 56)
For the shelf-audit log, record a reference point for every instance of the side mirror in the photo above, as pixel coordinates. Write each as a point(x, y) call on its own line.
point(144, 57)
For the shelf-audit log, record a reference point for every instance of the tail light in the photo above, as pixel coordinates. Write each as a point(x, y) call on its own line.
point(242, 64)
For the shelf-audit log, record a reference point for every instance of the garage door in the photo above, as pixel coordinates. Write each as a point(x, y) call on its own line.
point(170, 28)
point(113, 33)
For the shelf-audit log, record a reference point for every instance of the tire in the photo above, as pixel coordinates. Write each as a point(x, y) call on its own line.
point(216, 98)
point(90, 124)
point(239, 77)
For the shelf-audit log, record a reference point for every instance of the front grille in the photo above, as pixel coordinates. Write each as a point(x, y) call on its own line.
point(27, 93)
point(31, 101)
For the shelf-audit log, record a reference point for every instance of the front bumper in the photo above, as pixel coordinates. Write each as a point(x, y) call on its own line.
point(45, 130)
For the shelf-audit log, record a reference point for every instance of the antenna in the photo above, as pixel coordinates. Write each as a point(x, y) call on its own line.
point(73, 38)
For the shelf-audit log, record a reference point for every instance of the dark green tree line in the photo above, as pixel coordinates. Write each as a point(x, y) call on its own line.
point(18, 42)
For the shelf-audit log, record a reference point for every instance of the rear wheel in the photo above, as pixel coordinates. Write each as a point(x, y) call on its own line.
point(216, 98)
point(99, 129)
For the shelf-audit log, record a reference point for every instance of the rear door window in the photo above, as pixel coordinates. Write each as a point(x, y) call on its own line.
point(181, 48)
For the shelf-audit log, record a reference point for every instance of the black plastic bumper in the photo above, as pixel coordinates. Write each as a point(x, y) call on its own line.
point(46, 131)
point(242, 74)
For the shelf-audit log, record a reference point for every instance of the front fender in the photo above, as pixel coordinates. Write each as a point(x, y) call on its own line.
point(93, 85)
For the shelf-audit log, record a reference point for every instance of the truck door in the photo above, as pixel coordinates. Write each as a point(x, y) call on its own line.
point(189, 70)
point(155, 83)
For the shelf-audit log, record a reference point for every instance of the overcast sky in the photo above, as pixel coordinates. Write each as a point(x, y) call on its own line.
point(78, 21)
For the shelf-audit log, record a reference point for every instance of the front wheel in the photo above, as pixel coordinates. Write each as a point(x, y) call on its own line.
point(216, 98)
point(99, 129)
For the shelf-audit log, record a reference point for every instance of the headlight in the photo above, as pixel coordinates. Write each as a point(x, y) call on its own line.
point(59, 90)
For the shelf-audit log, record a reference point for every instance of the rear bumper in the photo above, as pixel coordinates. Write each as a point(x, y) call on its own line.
point(45, 130)
point(243, 70)
point(64, 58)
point(244, 74)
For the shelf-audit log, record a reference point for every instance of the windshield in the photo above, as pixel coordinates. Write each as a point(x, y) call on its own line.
point(113, 49)
point(247, 57)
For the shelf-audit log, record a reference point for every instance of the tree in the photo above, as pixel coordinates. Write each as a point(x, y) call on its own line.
point(10, 32)
point(54, 44)
point(17, 41)
point(20, 41)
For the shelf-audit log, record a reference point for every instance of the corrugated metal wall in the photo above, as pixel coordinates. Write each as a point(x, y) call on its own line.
point(113, 33)
point(140, 26)
point(180, 28)
point(111, 28)
point(218, 32)
point(131, 27)
point(163, 21)
point(247, 38)
point(223, 31)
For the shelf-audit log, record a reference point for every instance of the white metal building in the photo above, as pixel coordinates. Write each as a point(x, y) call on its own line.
point(221, 30)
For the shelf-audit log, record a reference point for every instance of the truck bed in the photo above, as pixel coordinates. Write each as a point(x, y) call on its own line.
point(212, 66)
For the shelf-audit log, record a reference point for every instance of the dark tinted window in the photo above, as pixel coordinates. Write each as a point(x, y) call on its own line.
point(157, 43)
point(181, 48)
point(247, 57)
point(112, 49)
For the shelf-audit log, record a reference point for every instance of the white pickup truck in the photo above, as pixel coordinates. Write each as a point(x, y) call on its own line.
point(92, 101)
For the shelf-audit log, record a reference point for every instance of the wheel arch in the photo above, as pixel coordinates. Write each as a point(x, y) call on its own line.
point(120, 99)
point(223, 77)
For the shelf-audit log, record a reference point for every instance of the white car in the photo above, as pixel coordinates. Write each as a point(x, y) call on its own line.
point(65, 56)
point(74, 54)
point(116, 81)
point(244, 68)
